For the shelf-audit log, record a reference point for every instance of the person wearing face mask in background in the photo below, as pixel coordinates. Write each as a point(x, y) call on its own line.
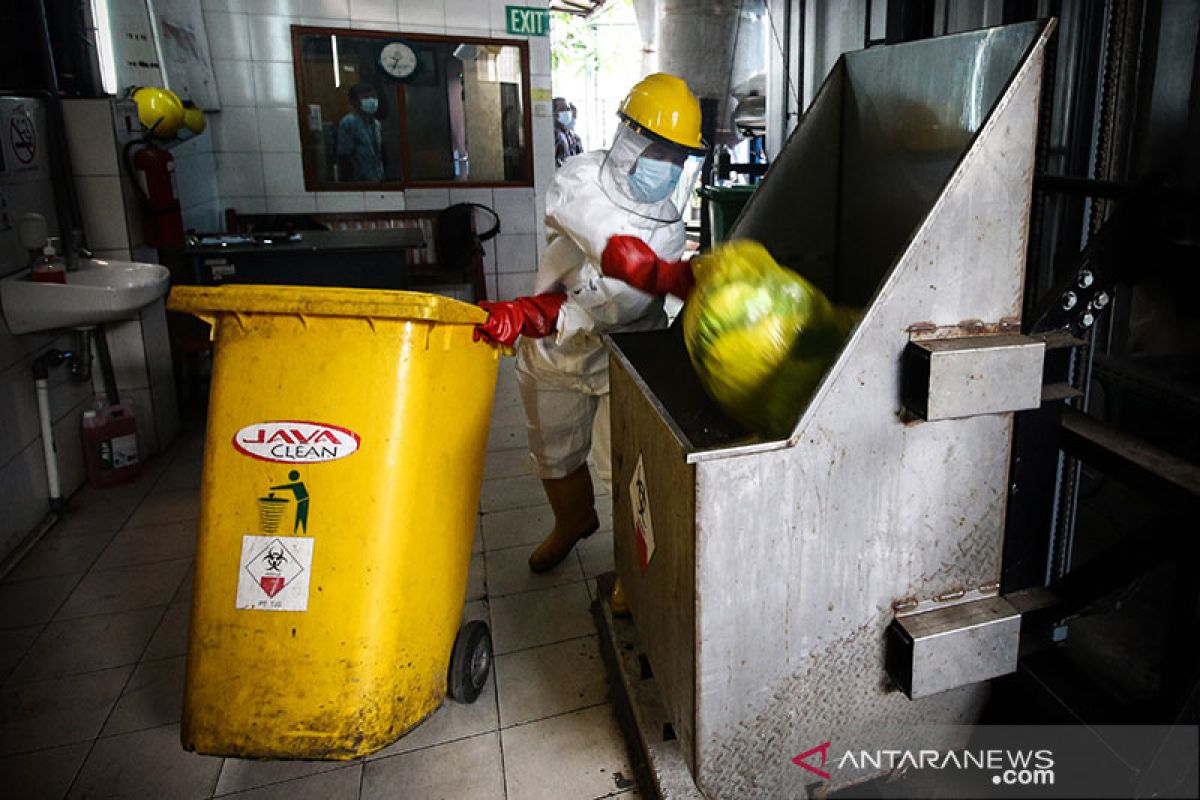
point(638, 188)
point(360, 138)
point(566, 140)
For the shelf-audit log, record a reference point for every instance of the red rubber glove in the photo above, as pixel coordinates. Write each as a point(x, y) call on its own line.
point(630, 259)
point(525, 316)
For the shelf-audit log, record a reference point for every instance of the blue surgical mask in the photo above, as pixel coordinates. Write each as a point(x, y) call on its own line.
point(564, 119)
point(370, 105)
point(653, 180)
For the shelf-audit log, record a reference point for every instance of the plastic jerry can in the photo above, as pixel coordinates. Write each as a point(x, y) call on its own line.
point(110, 445)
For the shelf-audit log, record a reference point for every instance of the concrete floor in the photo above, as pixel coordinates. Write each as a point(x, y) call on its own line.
point(93, 640)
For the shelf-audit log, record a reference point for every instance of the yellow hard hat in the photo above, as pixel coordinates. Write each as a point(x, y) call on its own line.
point(193, 118)
point(662, 105)
point(159, 110)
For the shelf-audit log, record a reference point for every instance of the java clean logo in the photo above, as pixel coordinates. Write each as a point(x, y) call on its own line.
point(294, 442)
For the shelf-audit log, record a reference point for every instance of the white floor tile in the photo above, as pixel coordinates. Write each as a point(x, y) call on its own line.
point(476, 582)
point(148, 544)
point(35, 716)
point(449, 723)
point(76, 646)
point(508, 572)
point(466, 768)
point(44, 775)
point(239, 773)
point(501, 494)
point(507, 437)
point(124, 588)
point(506, 464)
point(508, 414)
point(24, 603)
point(171, 637)
point(170, 505)
point(521, 526)
point(596, 553)
point(153, 697)
point(576, 755)
point(337, 784)
point(14, 644)
point(147, 763)
point(61, 556)
point(546, 681)
point(542, 617)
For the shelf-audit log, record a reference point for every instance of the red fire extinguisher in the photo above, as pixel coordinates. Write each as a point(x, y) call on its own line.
point(154, 174)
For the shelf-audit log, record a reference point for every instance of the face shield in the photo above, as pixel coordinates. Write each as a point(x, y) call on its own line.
point(649, 176)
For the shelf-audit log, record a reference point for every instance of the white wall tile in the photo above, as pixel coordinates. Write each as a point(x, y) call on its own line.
point(19, 402)
point(274, 84)
point(90, 137)
point(283, 174)
point(243, 205)
point(480, 195)
point(489, 256)
point(166, 413)
point(103, 213)
point(539, 55)
point(493, 292)
point(339, 9)
point(517, 209)
point(143, 409)
point(240, 174)
point(306, 204)
point(340, 202)
point(228, 35)
point(419, 199)
point(196, 178)
point(516, 252)
point(422, 12)
point(128, 354)
point(235, 82)
point(205, 217)
point(514, 284)
point(117, 254)
point(474, 14)
point(235, 130)
point(384, 201)
point(278, 130)
point(270, 38)
point(231, 5)
point(374, 11)
point(500, 17)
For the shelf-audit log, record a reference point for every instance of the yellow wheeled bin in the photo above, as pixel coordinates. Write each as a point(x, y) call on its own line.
point(347, 431)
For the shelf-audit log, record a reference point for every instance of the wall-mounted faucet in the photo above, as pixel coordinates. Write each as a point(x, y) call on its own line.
point(75, 249)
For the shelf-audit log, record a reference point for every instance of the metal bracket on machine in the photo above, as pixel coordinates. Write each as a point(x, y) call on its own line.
point(965, 376)
point(956, 643)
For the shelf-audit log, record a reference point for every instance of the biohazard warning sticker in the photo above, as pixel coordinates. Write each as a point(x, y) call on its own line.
point(643, 526)
point(274, 573)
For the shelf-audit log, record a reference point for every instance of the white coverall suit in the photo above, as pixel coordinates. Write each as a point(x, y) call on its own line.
point(563, 378)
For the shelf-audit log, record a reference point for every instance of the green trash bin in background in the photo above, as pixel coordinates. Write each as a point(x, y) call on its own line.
point(724, 205)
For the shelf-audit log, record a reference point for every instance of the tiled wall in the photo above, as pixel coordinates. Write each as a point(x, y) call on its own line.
point(22, 468)
point(256, 141)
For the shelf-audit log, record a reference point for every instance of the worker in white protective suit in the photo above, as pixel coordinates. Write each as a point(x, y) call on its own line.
point(639, 188)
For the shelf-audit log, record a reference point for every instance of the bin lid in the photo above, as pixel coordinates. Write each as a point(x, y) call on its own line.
point(323, 301)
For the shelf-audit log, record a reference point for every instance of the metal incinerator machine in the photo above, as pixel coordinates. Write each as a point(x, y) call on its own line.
point(842, 584)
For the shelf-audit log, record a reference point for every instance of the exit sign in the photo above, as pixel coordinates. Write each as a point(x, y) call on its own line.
point(526, 21)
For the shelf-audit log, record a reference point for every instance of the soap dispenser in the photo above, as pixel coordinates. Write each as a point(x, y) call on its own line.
point(48, 267)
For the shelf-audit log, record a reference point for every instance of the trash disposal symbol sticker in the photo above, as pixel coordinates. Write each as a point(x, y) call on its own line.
point(274, 573)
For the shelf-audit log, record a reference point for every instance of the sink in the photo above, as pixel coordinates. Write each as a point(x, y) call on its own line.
point(99, 291)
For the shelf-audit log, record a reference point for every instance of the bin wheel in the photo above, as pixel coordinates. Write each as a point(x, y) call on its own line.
point(470, 661)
